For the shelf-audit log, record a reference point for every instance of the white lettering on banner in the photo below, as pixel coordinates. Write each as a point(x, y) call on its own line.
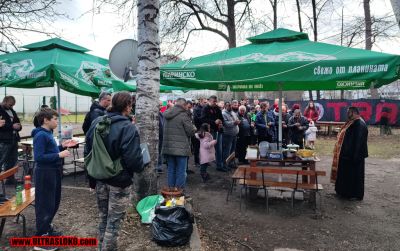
point(340, 69)
point(43, 84)
point(320, 70)
point(350, 84)
point(189, 74)
point(69, 79)
point(247, 86)
point(222, 87)
point(327, 70)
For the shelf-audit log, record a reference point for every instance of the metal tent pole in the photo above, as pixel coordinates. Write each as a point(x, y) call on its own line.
point(280, 118)
point(59, 112)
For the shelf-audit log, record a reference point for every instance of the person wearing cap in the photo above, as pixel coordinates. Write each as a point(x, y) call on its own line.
point(294, 107)
point(97, 109)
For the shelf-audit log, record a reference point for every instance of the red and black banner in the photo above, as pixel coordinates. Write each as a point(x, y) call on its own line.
point(373, 111)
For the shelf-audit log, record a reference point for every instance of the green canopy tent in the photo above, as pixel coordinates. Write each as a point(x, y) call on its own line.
point(284, 60)
point(59, 62)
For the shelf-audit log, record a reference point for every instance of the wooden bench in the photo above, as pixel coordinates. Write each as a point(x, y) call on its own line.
point(260, 177)
point(28, 197)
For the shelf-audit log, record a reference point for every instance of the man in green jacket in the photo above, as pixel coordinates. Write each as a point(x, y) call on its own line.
point(178, 129)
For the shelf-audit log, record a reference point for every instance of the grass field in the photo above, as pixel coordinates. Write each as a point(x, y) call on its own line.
point(378, 146)
point(68, 118)
point(384, 147)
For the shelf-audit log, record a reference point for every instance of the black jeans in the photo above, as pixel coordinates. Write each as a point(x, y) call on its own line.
point(196, 149)
point(47, 197)
point(8, 156)
point(241, 147)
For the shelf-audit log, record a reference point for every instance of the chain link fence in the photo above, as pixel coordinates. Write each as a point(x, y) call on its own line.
point(74, 106)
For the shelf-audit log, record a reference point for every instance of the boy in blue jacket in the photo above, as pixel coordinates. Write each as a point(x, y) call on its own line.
point(48, 171)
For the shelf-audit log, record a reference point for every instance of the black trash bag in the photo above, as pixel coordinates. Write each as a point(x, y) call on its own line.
point(172, 226)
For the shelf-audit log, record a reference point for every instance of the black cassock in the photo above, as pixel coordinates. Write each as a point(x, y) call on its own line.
point(351, 169)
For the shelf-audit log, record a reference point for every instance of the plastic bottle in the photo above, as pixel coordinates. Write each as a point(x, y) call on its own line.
point(28, 182)
point(18, 199)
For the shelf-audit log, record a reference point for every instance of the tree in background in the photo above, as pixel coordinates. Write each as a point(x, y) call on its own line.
point(396, 10)
point(26, 16)
point(147, 94)
point(221, 17)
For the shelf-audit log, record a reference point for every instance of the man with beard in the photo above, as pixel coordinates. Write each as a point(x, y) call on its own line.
point(244, 136)
point(235, 106)
point(351, 149)
point(298, 125)
point(265, 123)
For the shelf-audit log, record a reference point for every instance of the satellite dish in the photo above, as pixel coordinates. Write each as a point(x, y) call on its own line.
point(123, 59)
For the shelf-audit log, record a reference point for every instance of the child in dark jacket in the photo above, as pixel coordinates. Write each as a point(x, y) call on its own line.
point(48, 171)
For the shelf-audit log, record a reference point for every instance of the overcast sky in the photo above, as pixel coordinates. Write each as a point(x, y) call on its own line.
point(100, 30)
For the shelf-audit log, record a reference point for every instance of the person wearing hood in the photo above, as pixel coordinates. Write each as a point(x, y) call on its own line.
point(178, 129)
point(48, 172)
point(97, 109)
point(121, 142)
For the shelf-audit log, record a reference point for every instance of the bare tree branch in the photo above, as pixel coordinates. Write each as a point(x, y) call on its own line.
point(27, 16)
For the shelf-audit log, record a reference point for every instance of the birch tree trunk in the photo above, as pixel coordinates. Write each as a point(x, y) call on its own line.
point(396, 10)
point(147, 94)
point(368, 38)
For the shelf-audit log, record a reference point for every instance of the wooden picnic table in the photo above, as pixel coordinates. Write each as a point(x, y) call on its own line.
point(330, 125)
point(305, 164)
point(6, 210)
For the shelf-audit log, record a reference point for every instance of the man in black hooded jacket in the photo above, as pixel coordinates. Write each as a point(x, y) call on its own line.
point(97, 109)
point(122, 141)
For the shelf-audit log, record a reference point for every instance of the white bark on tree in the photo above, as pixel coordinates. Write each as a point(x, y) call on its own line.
point(368, 38)
point(396, 10)
point(147, 94)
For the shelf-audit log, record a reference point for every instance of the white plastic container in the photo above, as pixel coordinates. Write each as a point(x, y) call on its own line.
point(263, 147)
point(66, 132)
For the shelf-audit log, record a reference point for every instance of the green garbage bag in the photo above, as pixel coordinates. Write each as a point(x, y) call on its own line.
point(146, 207)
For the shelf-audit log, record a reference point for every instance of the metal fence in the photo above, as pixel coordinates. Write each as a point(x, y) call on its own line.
point(26, 105)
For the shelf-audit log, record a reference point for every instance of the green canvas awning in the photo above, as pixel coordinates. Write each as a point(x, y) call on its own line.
point(58, 61)
point(284, 59)
point(53, 61)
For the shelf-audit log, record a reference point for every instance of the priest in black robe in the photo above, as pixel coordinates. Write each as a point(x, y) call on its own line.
point(348, 167)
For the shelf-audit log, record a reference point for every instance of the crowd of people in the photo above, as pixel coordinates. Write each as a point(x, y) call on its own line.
point(208, 129)
point(213, 130)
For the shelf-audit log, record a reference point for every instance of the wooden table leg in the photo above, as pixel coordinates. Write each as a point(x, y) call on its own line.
point(3, 221)
point(329, 130)
point(312, 168)
point(252, 190)
point(313, 194)
point(304, 177)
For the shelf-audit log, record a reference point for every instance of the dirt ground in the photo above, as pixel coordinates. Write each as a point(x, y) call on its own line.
point(371, 224)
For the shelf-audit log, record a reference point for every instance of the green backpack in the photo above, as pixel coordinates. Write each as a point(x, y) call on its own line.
point(98, 162)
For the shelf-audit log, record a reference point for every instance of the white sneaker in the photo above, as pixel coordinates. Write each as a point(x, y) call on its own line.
point(45, 248)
